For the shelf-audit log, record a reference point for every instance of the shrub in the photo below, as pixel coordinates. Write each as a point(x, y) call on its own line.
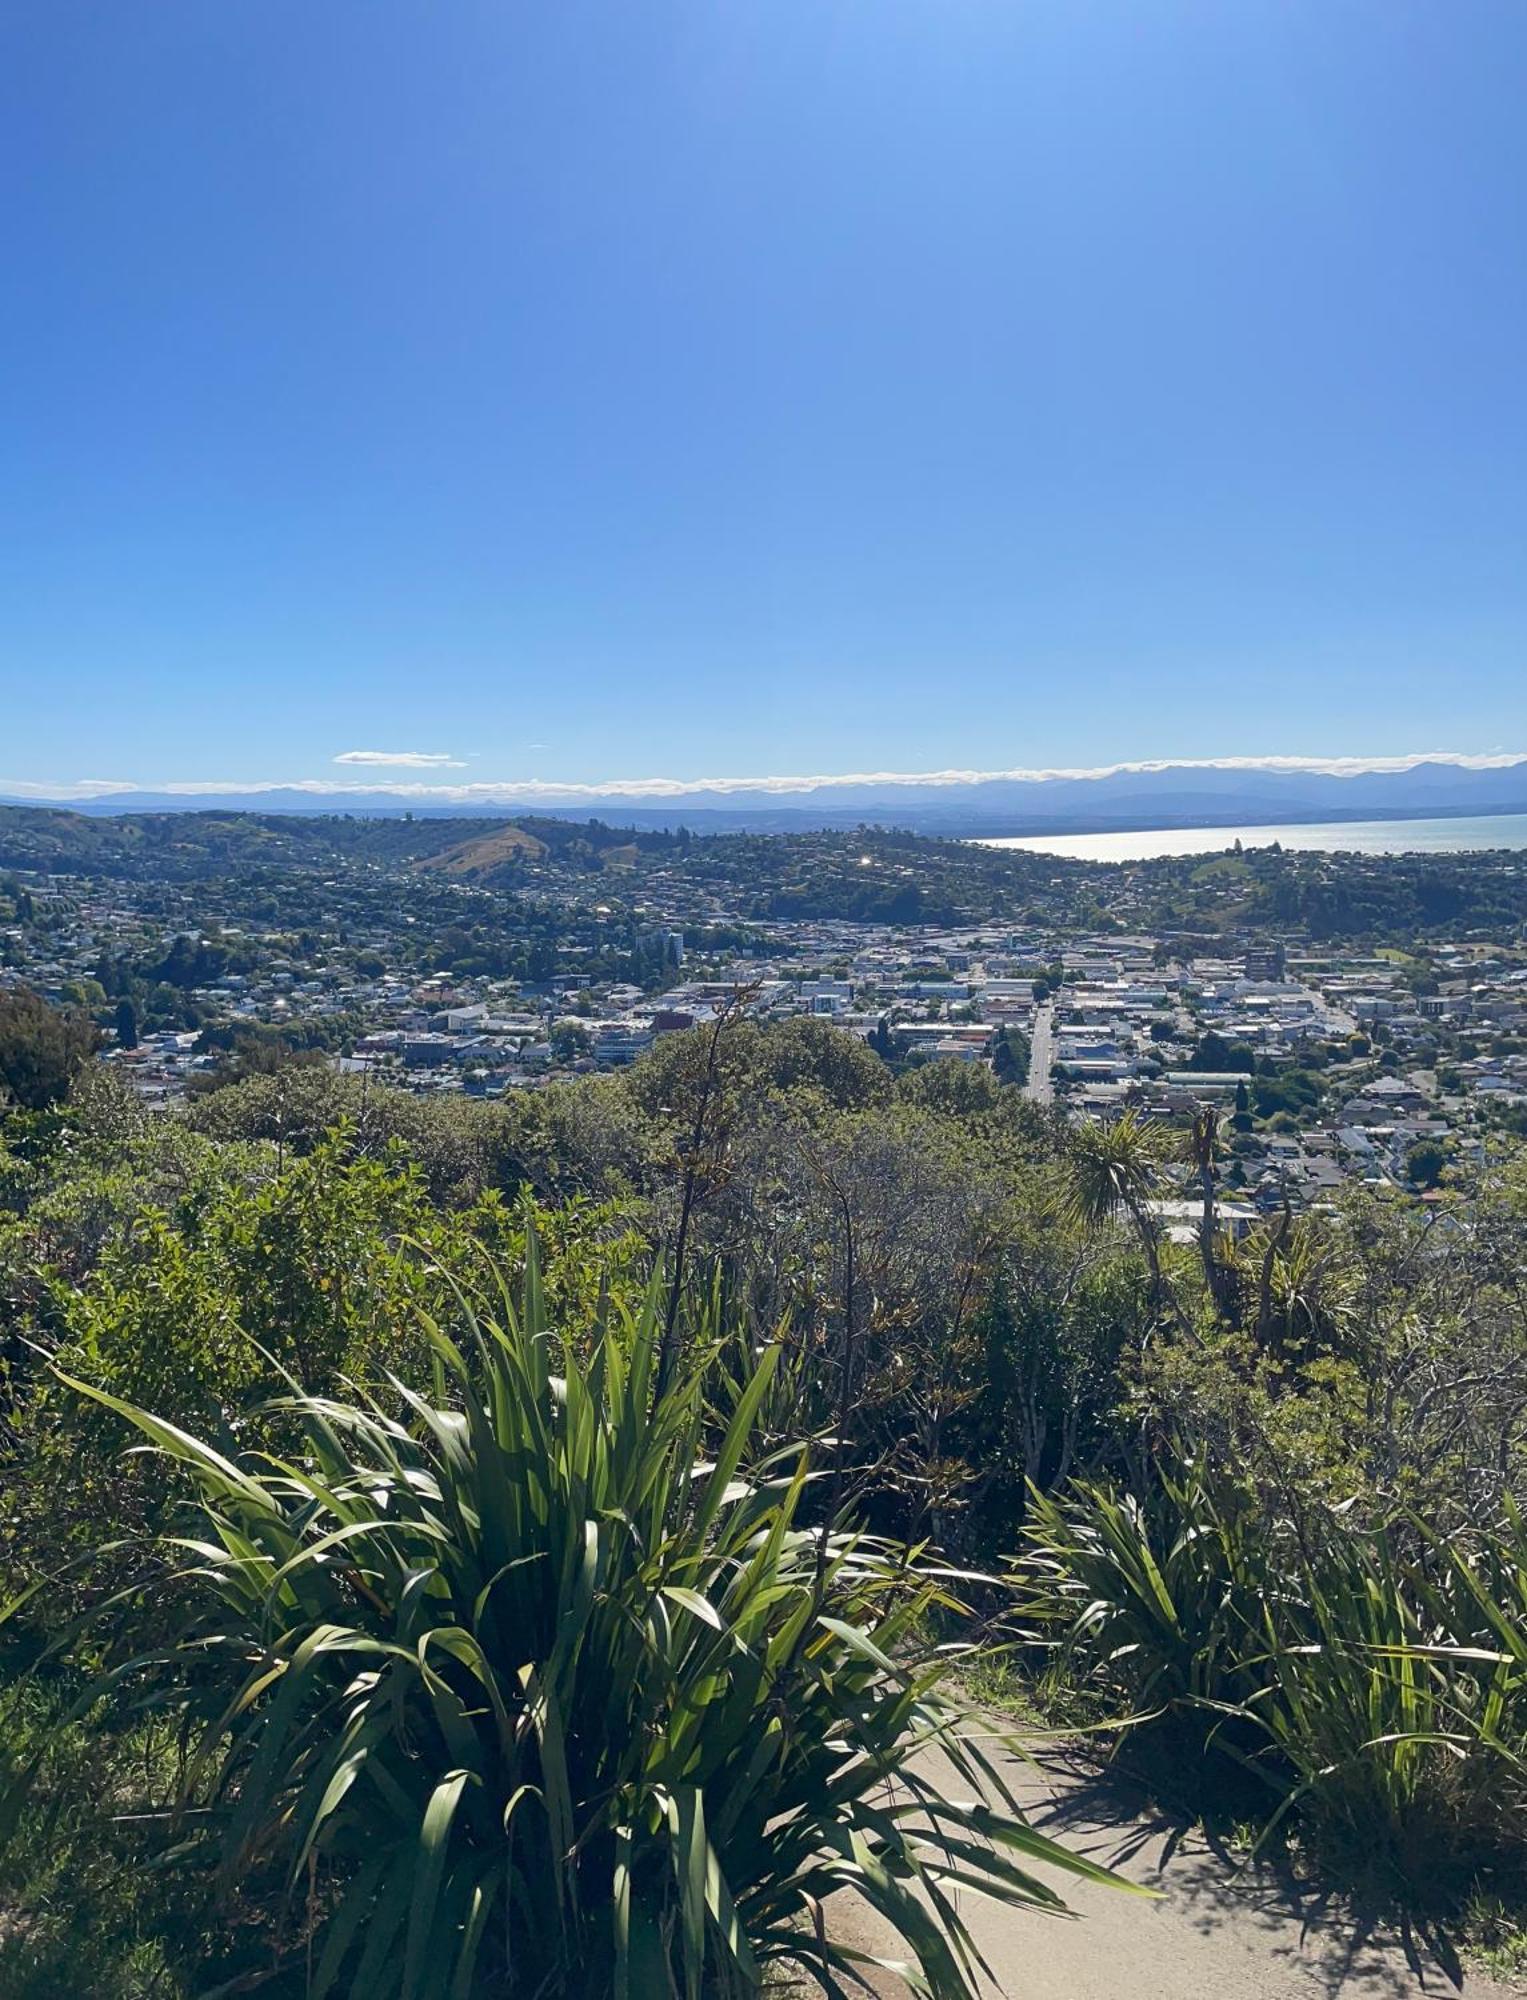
point(1372, 1682)
point(1156, 1599)
point(524, 1694)
point(1373, 1718)
point(42, 1048)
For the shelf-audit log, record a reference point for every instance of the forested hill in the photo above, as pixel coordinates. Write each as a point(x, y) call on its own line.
point(185, 845)
point(870, 874)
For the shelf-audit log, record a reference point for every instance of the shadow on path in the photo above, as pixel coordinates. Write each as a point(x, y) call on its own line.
point(1217, 1932)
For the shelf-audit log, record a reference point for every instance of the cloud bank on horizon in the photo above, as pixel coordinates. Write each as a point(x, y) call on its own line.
point(509, 790)
point(411, 760)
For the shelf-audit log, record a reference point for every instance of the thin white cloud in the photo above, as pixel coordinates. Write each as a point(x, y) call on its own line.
point(412, 760)
point(77, 788)
point(523, 791)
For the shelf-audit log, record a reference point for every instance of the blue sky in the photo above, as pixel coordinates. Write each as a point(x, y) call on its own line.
point(603, 391)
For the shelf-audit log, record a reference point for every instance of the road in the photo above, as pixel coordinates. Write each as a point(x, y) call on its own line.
point(1042, 1055)
point(1213, 1935)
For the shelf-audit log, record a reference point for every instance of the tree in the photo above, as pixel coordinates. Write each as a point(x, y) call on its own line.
point(756, 1064)
point(1203, 1150)
point(1215, 1054)
point(1010, 1058)
point(1425, 1161)
point(1113, 1172)
point(42, 1048)
point(127, 1025)
point(570, 1039)
point(952, 1086)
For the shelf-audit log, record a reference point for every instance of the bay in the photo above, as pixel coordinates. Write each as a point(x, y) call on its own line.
point(1358, 836)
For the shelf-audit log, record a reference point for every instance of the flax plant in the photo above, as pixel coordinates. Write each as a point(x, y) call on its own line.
point(539, 1686)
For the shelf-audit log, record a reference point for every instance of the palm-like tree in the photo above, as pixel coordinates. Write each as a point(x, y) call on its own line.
point(1304, 1290)
point(1203, 1152)
point(1113, 1173)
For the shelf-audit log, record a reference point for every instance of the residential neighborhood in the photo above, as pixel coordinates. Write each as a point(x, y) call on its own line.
point(1326, 1065)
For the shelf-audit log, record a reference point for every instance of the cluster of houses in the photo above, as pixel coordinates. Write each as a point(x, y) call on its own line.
point(1411, 1069)
point(1114, 1022)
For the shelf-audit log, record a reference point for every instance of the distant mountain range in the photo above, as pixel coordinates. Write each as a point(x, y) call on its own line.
point(1168, 795)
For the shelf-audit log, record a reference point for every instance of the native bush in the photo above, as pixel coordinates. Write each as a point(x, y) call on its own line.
point(1369, 1685)
point(539, 1685)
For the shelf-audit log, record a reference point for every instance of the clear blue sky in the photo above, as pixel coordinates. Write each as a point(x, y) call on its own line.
point(739, 386)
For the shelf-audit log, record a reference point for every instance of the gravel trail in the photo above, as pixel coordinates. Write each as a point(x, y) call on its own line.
point(1214, 1934)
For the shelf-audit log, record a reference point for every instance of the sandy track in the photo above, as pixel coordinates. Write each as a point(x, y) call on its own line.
point(1213, 1935)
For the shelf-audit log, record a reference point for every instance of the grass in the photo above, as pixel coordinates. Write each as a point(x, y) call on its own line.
point(1030, 1692)
point(1494, 1936)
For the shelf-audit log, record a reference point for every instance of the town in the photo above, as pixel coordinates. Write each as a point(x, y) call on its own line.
point(504, 961)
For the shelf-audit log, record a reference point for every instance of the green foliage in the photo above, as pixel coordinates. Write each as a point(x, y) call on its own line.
point(189, 1276)
point(1012, 1056)
point(1115, 1170)
point(570, 1039)
point(1426, 1162)
point(1293, 1093)
point(79, 1915)
point(310, 1269)
point(1215, 1054)
point(1055, 1334)
point(461, 1149)
point(757, 1065)
point(970, 1294)
point(530, 1695)
point(1155, 1594)
point(42, 1049)
point(958, 1089)
point(1368, 1684)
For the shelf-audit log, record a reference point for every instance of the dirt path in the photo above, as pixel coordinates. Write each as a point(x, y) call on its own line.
point(1213, 1935)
